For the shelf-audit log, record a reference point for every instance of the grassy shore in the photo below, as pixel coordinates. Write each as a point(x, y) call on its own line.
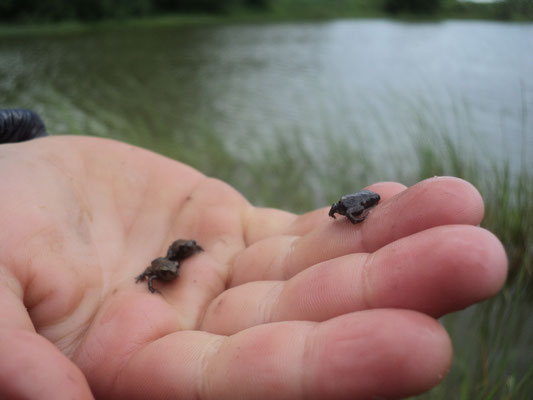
point(492, 340)
point(279, 11)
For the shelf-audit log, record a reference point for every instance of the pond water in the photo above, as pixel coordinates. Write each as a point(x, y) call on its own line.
point(371, 87)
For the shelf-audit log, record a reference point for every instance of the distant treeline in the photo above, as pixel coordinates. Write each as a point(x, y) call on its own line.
point(86, 10)
point(92, 10)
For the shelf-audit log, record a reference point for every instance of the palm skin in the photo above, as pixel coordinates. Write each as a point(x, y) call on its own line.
point(277, 306)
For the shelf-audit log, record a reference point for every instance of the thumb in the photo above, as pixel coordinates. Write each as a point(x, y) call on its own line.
point(32, 367)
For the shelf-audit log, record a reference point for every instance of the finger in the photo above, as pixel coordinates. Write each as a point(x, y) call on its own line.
point(266, 222)
point(33, 368)
point(433, 202)
point(307, 222)
point(437, 271)
point(274, 231)
point(387, 353)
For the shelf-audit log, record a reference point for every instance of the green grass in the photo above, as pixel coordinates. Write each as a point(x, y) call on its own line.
point(492, 343)
point(492, 340)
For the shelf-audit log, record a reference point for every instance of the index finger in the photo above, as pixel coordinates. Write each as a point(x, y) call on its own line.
point(266, 222)
point(430, 203)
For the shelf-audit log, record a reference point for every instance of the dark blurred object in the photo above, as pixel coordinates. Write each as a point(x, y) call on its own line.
point(209, 6)
point(20, 125)
point(93, 10)
point(412, 6)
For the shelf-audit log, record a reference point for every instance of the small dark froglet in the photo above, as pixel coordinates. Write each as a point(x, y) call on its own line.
point(167, 268)
point(355, 206)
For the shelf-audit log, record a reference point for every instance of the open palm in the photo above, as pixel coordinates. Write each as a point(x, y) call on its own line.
point(277, 306)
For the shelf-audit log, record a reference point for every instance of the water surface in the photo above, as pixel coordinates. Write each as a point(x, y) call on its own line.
point(241, 93)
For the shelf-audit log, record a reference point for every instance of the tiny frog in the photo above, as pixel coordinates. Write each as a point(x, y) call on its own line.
point(167, 268)
point(182, 249)
point(355, 206)
point(162, 269)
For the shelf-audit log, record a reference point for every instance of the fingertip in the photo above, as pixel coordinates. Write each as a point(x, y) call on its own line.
point(474, 265)
point(439, 270)
point(432, 350)
point(496, 264)
point(465, 202)
point(382, 353)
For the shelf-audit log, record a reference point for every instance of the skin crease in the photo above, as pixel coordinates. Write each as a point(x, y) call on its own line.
point(278, 305)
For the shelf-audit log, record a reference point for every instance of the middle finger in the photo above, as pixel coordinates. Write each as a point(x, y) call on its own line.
point(437, 271)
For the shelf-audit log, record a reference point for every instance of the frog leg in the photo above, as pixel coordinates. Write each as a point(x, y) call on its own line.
point(356, 218)
point(140, 278)
point(151, 285)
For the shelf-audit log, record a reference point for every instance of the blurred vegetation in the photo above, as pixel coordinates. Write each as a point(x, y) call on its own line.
point(90, 10)
point(93, 10)
point(412, 6)
point(516, 10)
point(492, 340)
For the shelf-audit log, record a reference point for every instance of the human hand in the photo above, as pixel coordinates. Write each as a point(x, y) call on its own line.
point(277, 306)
